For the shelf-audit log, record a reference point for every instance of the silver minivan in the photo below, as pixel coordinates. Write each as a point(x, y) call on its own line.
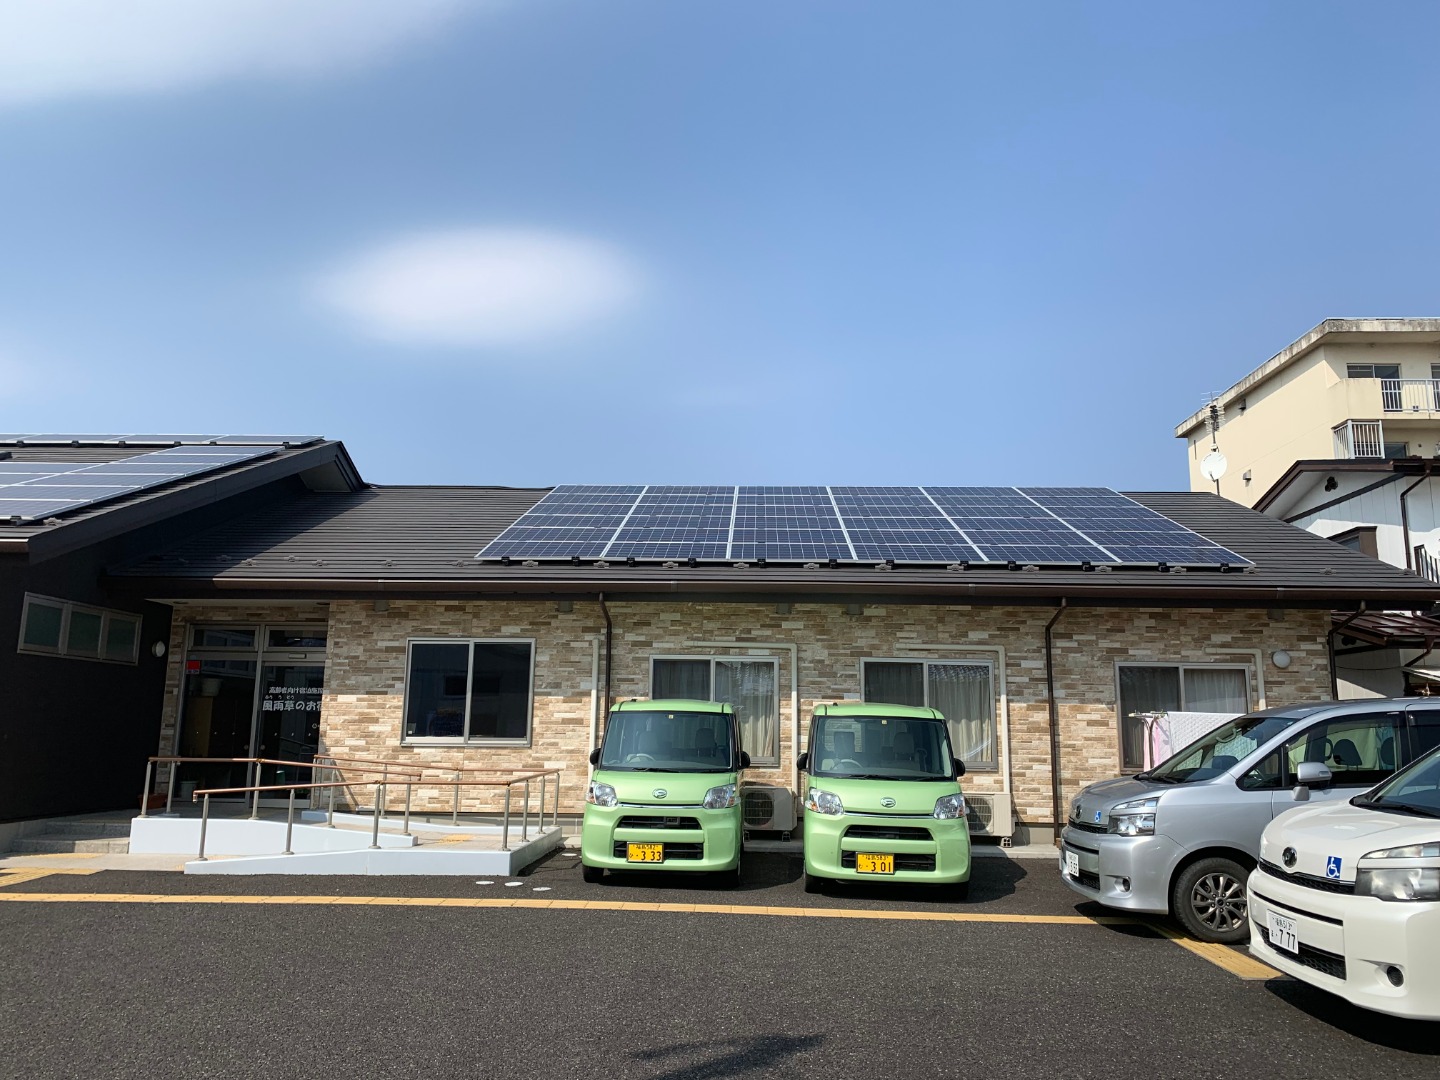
point(1183, 837)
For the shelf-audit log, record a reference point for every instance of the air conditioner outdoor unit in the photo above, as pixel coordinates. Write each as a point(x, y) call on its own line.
point(989, 814)
point(767, 808)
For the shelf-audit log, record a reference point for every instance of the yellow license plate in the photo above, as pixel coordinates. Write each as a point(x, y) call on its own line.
point(644, 852)
point(874, 864)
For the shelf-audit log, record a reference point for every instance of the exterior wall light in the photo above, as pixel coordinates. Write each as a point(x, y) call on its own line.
point(158, 649)
point(1280, 658)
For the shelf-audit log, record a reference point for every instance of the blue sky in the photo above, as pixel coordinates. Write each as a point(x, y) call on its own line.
point(536, 241)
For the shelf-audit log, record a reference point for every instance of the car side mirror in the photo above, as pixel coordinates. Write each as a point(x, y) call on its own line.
point(959, 767)
point(802, 762)
point(1310, 774)
point(744, 760)
point(595, 756)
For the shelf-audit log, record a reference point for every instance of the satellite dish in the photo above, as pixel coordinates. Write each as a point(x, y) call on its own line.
point(1214, 466)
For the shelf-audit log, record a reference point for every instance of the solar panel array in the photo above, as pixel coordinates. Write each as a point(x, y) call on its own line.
point(61, 439)
point(1066, 526)
point(35, 490)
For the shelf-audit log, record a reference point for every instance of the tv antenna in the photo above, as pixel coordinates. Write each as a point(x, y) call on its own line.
point(1213, 466)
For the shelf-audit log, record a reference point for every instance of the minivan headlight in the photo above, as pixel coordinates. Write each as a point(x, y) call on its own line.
point(823, 802)
point(1400, 882)
point(601, 794)
point(950, 806)
point(718, 798)
point(1134, 818)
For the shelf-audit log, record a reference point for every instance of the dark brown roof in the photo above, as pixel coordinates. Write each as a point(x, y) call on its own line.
point(422, 541)
point(325, 462)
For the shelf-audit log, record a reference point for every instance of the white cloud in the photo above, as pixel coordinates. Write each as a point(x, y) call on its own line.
point(481, 287)
point(75, 48)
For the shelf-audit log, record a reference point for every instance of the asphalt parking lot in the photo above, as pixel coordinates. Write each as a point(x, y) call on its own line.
point(130, 974)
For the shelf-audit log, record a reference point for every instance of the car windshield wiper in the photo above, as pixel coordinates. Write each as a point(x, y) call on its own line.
point(1383, 803)
point(870, 776)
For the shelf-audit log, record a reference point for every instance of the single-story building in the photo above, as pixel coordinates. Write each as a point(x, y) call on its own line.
point(285, 608)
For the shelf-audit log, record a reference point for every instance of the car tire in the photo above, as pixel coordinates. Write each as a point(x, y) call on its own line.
point(960, 891)
point(813, 884)
point(1208, 899)
point(728, 879)
point(592, 874)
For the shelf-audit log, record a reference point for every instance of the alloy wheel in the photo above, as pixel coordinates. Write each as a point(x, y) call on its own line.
point(1218, 901)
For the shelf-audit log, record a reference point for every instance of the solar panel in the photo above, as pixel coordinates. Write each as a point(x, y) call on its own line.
point(89, 439)
point(34, 490)
point(1049, 526)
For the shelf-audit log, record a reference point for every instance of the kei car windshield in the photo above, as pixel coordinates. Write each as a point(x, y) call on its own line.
point(880, 748)
point(1415, 790)
point(1220, 750)
point(691, 742)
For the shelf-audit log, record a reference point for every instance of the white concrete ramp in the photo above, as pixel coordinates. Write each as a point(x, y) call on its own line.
point(244, 846)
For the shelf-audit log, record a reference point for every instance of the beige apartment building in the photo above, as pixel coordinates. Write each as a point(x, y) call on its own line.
point(1350, 389)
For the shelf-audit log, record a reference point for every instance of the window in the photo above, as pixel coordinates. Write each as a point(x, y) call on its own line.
point(60, 628)
point(1372, 371)
point(1361, 539)
point(963, 692)
point(750, 685)
point(1424, 731)
point(1358, 750)
point(476, 691)
point(1147, 688)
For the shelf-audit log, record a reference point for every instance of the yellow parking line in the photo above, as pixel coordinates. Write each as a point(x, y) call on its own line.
point(1222, 956)
point(15, 875)
point(560, 904)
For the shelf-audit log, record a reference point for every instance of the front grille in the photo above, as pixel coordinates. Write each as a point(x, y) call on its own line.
point(887, 832)
point(1087, 878)
point(1325, 962)
point(1310, 882)
point(636, 821)
point(902, 861)
point(672, 851)
point(1085, 826)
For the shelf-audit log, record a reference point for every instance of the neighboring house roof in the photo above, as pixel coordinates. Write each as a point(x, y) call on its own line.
point(1283, 495)
point(323, 465)
point(422, 541)
point(1387, 629)
point(1353, 331)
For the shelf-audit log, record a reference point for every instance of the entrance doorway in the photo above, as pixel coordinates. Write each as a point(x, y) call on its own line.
point(251, 691)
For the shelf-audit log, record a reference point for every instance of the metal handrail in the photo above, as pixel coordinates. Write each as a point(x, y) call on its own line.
point(381, 786)
point(176, 760)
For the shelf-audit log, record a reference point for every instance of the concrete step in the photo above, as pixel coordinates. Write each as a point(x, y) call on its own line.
point(51, 845)
point(85, 830)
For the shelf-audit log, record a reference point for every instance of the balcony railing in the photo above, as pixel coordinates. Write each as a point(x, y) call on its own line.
point(1410, 395)
point(1360, 439)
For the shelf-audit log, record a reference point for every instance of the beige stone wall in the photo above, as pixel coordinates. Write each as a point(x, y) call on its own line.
point(365, 680)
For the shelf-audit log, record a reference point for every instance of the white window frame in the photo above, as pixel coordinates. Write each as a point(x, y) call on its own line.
point(1182, 666)
point(1000, 748)
point(767, 761)
point(67, 607)
point(465, 738)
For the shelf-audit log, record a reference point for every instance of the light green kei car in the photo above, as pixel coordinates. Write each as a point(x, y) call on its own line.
point(664, 795)
point(882, 798)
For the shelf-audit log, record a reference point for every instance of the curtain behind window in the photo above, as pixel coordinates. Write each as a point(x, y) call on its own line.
point(895, 684)
point(962, 692)
point(681, 679)
point(1223, 691)
point(1144, 689)
point(750, 687)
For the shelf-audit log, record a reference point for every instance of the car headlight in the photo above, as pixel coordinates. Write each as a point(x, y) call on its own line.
point(1134, 818)
point(823, 802)
point(601, 794)
point(1400, 882)
point(717, 798)
point(950, 806)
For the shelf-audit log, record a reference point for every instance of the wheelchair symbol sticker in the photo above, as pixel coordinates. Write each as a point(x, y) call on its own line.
point(1332, 867)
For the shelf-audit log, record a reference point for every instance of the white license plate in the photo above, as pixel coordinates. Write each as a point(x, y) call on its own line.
point(1072, 864)
point(1282, 932)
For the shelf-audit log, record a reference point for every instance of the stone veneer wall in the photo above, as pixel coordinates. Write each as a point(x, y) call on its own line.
point(365, 680)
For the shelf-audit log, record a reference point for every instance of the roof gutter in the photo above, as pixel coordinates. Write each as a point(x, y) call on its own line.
point(1405, 517)
point(1330, 648)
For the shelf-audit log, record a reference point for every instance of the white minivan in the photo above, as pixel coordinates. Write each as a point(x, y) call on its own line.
point(1346, 896)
